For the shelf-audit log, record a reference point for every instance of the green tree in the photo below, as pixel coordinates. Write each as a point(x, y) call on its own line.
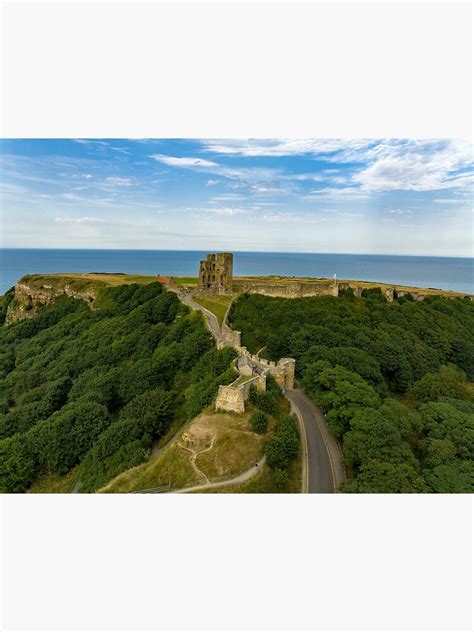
point(259, 422)
point(373, 437)
point(283, 443)
point(377, 477)
point(340, 392)
point(456, 477)
point(438, 452)
point(443, 421)
point(447, 382)
point(151, 410)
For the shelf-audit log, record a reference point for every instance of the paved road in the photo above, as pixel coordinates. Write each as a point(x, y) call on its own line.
point(325, 471)
point(210, 318)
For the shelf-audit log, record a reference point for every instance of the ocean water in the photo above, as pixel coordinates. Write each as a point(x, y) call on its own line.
point(447, 273)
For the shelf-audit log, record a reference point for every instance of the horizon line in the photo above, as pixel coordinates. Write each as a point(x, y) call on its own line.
point(263, 252)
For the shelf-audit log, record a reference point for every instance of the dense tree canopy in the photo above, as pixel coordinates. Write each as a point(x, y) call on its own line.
point(392, 378)
point(97, 387)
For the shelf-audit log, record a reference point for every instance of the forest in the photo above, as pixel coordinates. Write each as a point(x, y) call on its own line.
point(395, 381)
point(96, 388)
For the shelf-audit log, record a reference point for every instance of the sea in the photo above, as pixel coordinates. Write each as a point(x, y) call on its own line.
point(446, 273)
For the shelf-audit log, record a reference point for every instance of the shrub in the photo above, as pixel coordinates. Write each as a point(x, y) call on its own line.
point(281, 480)
point(283, 444)
point(266, 401)
point(259, 422)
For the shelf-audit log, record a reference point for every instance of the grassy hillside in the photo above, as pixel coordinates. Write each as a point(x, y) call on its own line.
point(213, 447)
point(81, 281)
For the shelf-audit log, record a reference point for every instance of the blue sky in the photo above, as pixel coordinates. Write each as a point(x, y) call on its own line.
point(315, 195)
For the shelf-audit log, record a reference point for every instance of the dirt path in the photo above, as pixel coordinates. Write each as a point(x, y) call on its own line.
point(195, 454)
point(242, 478)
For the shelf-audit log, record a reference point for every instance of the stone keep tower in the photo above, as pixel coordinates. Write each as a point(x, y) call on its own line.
point(215, 273)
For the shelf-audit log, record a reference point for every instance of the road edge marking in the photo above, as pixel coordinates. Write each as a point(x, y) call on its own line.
point(333, 473)
point(304, 465)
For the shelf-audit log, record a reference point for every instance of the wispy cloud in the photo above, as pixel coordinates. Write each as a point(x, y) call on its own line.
point(80, 220)
point(257, 179)
point(122, 182)
point(335, 193)
point(225, 197)
point(416, 165)
point(283, 147)
point(288, 218)
point(449, 201)
point(173, 161)
point(224, 210)
point(87, 141)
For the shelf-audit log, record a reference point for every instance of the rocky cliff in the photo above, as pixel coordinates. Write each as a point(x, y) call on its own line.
point(34, 292)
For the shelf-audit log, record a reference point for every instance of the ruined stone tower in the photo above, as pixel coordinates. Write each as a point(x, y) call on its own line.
point(215, 273)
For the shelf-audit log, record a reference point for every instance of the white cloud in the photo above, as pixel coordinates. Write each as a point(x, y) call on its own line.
point(212, 183)
point(83, 141)
point(283, 147)
point(227, 210)
point(80, 220)
point(447, 201)
point(332, 194)
point(257, 179)
point(173, 161)
point(225, 197)
point(72, 197)
point(10, 189)
point(399, 211)
point(223, 210)
point(123, 182)
point(287, 217)
point(417, 166)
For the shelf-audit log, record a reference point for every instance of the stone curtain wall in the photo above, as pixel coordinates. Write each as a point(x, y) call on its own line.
point(292, 289)
point(229, 338)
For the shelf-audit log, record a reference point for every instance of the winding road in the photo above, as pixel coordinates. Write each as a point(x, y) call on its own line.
point(324, 471)
point(211, 320)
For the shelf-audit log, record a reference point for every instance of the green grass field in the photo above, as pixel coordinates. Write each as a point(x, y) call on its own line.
point(216, 304)
point(186, 281)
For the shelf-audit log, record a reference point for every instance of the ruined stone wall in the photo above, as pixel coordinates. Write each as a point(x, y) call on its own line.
point(232, 398)
point(229, 338)
point(284, 373)
point(294, 289)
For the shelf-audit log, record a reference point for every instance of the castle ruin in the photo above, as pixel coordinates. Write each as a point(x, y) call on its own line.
point(215, 273)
